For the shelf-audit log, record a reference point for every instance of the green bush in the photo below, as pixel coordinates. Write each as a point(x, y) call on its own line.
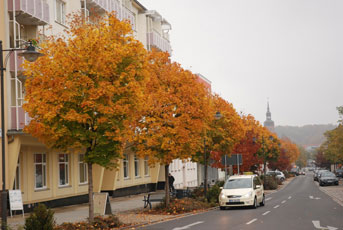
point(270, 182)
point(40, 219)
point(220, 183)
point(213, 194)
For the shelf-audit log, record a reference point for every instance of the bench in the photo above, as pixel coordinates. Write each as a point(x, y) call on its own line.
point(152, 197)
point(148, 199)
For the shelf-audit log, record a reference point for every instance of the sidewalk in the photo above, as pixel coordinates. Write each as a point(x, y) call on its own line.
point(76, 213)
point(335, 192)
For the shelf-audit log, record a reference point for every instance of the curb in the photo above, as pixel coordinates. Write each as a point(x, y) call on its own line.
point(334, 198)
point(167, 219)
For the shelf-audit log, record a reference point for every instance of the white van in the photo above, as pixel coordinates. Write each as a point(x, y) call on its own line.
point(242, 190)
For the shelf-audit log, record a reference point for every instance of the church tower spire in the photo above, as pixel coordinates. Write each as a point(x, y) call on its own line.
point(269, 123)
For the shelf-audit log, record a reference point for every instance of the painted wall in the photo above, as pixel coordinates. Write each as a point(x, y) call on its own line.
point(184, 172)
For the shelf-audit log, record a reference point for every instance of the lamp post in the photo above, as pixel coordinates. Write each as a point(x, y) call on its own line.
point(31, 55)
point(217, 116)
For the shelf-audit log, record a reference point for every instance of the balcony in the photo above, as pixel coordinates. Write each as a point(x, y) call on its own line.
point(23, 118)
point(156, 40)
point(99, 5)
point(128, 15)
point(30, 12)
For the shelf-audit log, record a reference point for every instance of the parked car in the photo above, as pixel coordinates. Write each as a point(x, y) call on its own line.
point(278, 175)
point(316, 173)
point(295, 171)
point(242, 190)
point(327, 178)
point(339, 173)
point(302, 172)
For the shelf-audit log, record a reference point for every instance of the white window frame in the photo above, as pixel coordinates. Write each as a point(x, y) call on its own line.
point(146, 166)
point(44, 171)
point(66, 169)
point(136, 164)
point(62, 4)
point(85, 169)
point(126, 166)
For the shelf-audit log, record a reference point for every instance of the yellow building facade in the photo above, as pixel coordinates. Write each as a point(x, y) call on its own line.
point(42, 174)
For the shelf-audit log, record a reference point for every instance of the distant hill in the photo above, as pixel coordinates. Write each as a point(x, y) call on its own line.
point(308, 135)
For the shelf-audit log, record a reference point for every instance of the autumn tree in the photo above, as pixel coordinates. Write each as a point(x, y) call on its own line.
point(289, 153)
point(302, 158)
point(247, 146)
point(269, 148)
point(173, 118)
point(332, 148)
point(224, 128)
point(85, 92)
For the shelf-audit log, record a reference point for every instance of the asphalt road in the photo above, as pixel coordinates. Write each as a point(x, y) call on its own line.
point(299, 206)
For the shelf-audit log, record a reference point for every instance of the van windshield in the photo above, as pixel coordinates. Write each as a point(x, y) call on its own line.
point(238, 183)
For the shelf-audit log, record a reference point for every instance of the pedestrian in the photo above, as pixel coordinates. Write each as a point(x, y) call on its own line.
point(171, 180)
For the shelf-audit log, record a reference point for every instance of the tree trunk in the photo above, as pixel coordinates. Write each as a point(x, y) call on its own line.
point(264, 167)
point(166, 172)
point(90, 193)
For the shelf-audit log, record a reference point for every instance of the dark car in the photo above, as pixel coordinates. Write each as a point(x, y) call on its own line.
point(327, 178)
point(339, 173)
point(317, 173)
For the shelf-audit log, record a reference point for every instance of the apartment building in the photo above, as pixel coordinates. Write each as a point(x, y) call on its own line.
point(58, 178)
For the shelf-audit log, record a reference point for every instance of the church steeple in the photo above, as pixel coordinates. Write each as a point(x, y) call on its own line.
point(269, 123)
point(268, 114)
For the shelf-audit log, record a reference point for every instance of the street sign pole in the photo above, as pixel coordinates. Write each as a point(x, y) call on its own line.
point(237, 163)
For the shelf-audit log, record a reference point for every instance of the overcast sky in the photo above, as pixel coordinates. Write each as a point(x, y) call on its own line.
point(289, 51)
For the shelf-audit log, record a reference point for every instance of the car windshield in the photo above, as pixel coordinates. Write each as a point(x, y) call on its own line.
point(238, 183)
point(327, 174)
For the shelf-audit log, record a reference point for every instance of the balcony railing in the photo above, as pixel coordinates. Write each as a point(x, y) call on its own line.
point(30, 12)
point(18, 123)
point(156, 40)
point(128, 15)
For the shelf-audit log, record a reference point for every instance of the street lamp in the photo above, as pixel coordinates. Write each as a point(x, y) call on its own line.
point(217, 116)
point(31, 55)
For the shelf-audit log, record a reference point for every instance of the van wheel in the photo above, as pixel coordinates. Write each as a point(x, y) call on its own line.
point(263, 202)
point(255, 203)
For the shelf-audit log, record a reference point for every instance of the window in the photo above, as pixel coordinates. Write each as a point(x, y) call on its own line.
point(136, 166)
point(126, 165)
point(40, 170)
point(63, 168)
point(60, 12)
point(146, 166)
point(16, 184)
point(83, 169)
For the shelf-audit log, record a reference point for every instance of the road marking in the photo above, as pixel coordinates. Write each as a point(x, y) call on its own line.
point(252, 221)
point(289, 197)
point(316, 224)
point(266, 213)
point(283, 202)
point(314, 198)
point(188, 226)
point(269, 198)
point(276, 206)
